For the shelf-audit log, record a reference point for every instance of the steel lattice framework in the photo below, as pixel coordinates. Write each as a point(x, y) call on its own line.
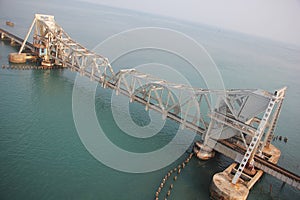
point(248, 115)
point(55, 45)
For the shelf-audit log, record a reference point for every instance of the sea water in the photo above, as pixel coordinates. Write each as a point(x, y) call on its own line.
point(41, 154)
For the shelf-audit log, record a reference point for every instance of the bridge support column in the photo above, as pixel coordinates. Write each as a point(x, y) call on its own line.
point(12, 41)
point(223, 188)
point(17, 58)
point(203, 152)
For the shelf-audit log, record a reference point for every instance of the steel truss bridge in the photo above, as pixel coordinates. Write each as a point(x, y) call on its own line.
point(239, 125)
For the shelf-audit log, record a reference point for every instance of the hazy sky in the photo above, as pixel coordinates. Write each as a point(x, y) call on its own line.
point(274, 19)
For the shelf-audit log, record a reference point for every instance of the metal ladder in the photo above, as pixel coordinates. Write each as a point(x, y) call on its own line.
point(271, 133)
point(255, 140)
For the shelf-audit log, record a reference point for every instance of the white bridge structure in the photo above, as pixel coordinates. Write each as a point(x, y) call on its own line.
point(239, 125)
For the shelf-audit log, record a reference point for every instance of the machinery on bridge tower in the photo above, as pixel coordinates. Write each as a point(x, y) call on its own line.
point(239, 124)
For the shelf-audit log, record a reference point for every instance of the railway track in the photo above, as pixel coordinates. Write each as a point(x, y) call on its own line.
point(268, 167)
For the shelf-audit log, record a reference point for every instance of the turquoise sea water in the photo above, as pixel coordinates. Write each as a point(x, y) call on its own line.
point(41, 155)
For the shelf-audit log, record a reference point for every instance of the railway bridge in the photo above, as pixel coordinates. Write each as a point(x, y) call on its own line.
point(240, 124)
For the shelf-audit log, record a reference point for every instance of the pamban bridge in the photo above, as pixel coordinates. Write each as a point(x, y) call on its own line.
point(240, 125)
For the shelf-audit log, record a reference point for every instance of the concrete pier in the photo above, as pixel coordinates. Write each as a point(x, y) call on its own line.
point(203, 152)
point(21, 57)
point(223, 188)
point(17, 58)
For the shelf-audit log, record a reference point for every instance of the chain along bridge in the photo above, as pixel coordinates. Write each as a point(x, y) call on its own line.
point(240, 124)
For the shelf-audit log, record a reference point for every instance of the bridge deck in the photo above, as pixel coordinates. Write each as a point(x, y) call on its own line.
point(223, 147)
point(234, 152)
point(7, 35)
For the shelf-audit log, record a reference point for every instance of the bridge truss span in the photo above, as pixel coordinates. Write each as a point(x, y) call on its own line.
point(248, 115)
point(55, 46)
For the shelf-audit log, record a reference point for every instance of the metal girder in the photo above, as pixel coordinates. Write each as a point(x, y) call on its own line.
point(68, 52)
point(235, 113)
point(256, 139)
point(169, 98)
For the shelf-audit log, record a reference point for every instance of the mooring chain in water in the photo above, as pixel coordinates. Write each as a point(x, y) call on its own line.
point(26, 67)
point(177, 169)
